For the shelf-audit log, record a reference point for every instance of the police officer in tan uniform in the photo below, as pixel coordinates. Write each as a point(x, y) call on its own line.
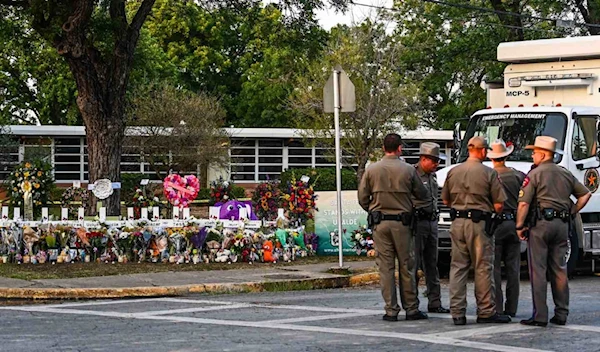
point(551, 186)
point(385, 192)
point(507, 243)
point(474, 193)
point(426, 234)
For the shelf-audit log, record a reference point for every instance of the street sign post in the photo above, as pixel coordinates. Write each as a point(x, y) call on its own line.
point(339, 96)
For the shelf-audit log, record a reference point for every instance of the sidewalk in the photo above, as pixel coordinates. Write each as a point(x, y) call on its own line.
point(309, 276)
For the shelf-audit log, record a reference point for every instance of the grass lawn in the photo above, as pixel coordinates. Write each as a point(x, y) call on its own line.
point(67, 271)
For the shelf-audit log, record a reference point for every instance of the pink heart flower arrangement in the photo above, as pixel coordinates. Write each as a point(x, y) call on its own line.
point(180, 191)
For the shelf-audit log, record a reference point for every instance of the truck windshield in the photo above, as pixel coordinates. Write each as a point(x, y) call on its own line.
point(517, 129)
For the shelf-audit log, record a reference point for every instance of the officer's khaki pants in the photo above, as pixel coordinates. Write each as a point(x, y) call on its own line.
point(426, 254)
point(394, 240)
point(547, 250)
point(471, 246)
point(508, 249)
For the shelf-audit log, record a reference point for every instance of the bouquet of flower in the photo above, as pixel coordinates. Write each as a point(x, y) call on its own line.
point(362, 239)
point(220, 191)
point(34, 177)
point(266, 200)
point(299, 200)
point(75, 193)
point(140, 200)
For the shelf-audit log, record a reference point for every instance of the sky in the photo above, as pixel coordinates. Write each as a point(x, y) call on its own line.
point(329, 18)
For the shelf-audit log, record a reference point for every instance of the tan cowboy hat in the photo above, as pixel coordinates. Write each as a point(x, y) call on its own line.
point(431, 149)
point(499, 150)
point(546, 143)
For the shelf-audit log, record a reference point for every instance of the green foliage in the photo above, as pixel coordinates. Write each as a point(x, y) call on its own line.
point(35, 79)
point(322, 179)
point(129, 183)
point(453, 50)
point(247, 55)
point(238, 192)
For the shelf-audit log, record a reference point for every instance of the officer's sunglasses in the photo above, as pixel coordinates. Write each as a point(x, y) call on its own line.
point(433, 159)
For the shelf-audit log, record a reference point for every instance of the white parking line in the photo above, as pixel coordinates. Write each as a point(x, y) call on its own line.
point(483, 331)
point(580, 327)
point(317, 318)
point(192, 310)
point(279, 326)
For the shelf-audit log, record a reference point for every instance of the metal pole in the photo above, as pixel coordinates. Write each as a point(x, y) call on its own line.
point(338, 162)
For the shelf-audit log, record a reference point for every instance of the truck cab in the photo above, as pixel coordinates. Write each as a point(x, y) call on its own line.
point(551, 87)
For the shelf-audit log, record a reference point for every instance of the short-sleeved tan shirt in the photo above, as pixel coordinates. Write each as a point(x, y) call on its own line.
point(472, 185)
point(551, 186)
point(388, 185)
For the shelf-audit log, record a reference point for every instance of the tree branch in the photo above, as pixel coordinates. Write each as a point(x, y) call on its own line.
point(138, 20)
point(119, 17)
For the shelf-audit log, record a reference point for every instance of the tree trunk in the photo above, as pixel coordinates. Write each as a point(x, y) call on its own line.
point(105, 145)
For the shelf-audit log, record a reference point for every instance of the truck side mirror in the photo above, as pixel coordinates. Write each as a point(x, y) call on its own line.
point(457, 140)
point(598, 139)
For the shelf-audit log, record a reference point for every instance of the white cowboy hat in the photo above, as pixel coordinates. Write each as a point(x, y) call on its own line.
point(499, 150)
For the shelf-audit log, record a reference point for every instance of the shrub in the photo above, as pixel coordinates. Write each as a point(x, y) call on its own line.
point(322, 179)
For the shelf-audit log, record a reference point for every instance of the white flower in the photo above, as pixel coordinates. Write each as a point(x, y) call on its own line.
point(156, 199)
point(138, 190)
point(141, 198)
point(226, 184)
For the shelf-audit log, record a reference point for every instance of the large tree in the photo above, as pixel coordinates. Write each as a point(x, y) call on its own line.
point(370, 58)
point(97, 40)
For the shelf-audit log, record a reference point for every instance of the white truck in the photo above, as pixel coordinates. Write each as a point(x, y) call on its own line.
point(550, 87)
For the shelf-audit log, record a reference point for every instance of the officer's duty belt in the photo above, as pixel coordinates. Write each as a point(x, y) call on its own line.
point(550, 214)
point(506, 216)
point(425, 215)
point(473, 214)
point(393, 217)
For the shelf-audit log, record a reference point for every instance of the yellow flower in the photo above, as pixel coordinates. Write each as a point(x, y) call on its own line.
point(15, 189)
point(26, 186)
point(39, 174)
point(37, 185)
point(27, 165)
point(16, 174)
point(26, 174)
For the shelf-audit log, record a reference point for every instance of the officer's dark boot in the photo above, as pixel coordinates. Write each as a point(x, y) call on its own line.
point(494, 319)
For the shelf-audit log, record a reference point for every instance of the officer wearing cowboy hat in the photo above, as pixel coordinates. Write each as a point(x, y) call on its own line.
point(552, 186)
point(507, 244)
point(474, 193)
point(426, 234)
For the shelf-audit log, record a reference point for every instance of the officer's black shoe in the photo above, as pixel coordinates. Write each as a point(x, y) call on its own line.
point(460, 321)
point(416, 316)
point(532, 322)
point(390, 317)
point(438, 310)
point(494, 319)
point(557, 321)
point(510, 314)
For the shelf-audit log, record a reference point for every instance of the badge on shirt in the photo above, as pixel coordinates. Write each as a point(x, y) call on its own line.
point(521, 194)
point(525, 182)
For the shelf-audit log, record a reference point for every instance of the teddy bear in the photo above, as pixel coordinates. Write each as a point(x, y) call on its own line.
point(268, 252)
point(223, 256)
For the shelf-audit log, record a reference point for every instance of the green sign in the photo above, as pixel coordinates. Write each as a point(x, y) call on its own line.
point(326, 226)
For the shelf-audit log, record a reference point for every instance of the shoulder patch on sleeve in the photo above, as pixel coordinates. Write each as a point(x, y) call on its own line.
point(525, 182)
point(521, 193)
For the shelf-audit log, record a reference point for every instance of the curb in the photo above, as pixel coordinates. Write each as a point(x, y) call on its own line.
point(183, 290)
